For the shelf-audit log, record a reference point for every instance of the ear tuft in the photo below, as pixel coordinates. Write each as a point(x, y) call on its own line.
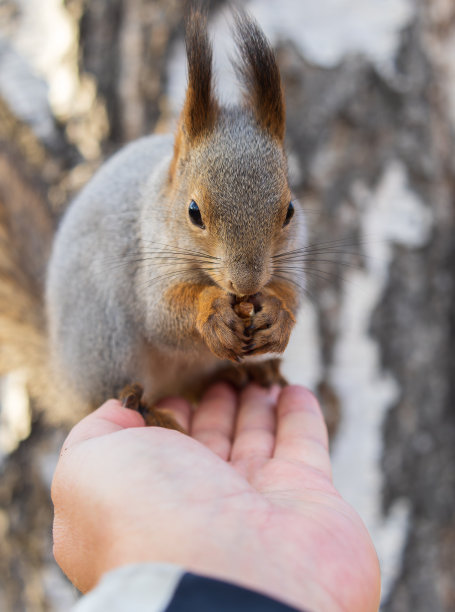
point(258, 71)
point(201, 108)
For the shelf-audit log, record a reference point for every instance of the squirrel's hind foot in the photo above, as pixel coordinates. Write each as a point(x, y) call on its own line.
point(264, 373)
point(131, 397)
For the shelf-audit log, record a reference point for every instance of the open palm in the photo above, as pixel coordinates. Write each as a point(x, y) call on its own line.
point(247, 497)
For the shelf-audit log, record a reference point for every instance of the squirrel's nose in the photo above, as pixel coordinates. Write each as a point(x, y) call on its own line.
point(242, 289)
point(246, 276)
point(248, 283)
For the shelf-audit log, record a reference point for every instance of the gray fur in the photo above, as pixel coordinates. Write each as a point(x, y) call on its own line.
point(107, 327)
point(125, 241)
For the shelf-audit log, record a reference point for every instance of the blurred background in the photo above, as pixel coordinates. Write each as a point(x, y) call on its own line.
point(370, 89)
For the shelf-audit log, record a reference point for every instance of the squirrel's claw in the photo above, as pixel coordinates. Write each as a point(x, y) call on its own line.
point(131, 397)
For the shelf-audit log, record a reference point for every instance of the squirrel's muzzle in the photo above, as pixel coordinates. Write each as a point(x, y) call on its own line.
point(246, 277)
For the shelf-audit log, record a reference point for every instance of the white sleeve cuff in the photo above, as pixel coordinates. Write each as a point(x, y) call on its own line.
point(143, 587)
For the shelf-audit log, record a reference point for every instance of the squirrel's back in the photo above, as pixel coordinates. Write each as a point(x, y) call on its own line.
point(91, 307)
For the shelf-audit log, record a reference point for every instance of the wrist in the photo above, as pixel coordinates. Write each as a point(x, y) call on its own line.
point(247, 550)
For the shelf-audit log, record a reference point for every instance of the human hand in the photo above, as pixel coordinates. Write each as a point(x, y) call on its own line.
point(248, 498)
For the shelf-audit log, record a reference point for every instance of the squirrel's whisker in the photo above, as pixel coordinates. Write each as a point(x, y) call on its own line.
point(314, 251)
point(151, 281)
point(299, 262)
point(176, 249)
point(164, 260)
point(304, 289)
point(333, 246)
point(321, 274)
point(190, 271)
point(315, 256)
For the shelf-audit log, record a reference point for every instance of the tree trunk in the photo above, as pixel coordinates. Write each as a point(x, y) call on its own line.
point(370, 133)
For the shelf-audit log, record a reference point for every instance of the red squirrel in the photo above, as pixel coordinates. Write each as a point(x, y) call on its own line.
point(174, 263)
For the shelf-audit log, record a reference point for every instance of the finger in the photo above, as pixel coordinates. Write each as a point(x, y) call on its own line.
point(109, 418)
point(179, 408)
point(214, 419)
point(301, 430)
point(255, 428)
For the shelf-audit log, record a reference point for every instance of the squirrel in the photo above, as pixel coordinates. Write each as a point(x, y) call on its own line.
point(174, 263)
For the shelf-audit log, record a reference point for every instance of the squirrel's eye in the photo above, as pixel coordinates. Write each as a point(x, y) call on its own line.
point(195, 214)
point(289, 214)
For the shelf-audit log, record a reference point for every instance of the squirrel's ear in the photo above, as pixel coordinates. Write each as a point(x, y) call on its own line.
point(259, 73)
point(200, 109)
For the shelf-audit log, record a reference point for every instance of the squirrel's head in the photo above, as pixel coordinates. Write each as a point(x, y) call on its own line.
point(228, 177)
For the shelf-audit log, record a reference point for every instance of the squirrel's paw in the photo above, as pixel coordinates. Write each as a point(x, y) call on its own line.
point(264, 373)
point(131, 397)
point(221, 328)
point(271, 326)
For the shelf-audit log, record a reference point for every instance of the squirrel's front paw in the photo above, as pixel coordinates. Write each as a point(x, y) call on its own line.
point(221, 328)
point(271, 326)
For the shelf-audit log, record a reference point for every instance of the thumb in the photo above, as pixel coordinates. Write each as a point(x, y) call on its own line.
point(72, 491)
point(107, 419)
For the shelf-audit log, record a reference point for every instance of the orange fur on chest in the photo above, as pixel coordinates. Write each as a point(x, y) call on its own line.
point(183, 298)
point(286, 294)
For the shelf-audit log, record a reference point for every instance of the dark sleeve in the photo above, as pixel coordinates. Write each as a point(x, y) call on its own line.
point(164, 587)
point(200, 594)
